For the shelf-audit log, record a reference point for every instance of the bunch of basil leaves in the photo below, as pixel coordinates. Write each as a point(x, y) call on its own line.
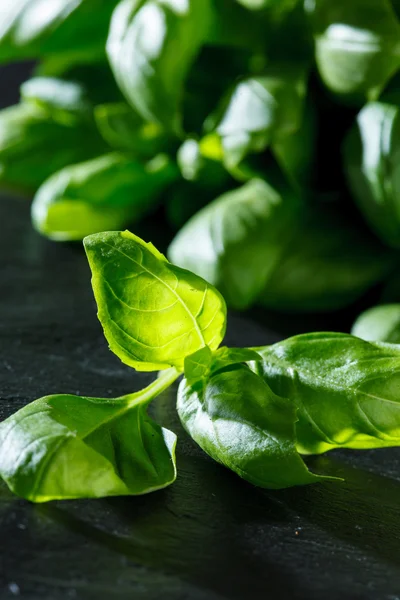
point(264, 132)
point(256, 411)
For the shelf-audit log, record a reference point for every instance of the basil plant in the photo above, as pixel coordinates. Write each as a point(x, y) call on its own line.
point(255, 411)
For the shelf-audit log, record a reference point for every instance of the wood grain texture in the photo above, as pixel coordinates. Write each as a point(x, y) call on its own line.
point(211, 536)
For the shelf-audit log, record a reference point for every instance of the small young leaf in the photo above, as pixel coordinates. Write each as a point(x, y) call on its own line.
point(203, 363)
point(260, 111)
point(107, 192)
point(346, 390)
point(198, 365)
point(154, 314)
point(151, 46)
point(242, 424)
point(379, 324)
point(64, 446)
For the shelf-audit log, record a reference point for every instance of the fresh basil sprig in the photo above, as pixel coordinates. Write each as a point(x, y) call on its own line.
point(254, 411)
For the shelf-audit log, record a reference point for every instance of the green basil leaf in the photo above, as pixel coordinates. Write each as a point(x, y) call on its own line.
point(371, 164)
point(237, 419)
point(280, 5)
point(33, 145)
point(62, 99)
point(124, 129)
point(260, 111)
point(235, 241)
point(379, 324)
point(296, 152)
point(153, 313)
point(357, 44)
point(200, 365)
point(151, 46)
point(326, 264)
point(37, 28)
point(258, 244)
point(62, 446)
point(346, 390)
point(95, 78)
point(107, 192)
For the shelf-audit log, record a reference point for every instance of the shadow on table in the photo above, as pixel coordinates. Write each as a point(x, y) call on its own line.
point(214, 530)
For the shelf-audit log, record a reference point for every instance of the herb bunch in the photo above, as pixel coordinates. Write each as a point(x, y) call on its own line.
point(264, 132)
point(254, 410)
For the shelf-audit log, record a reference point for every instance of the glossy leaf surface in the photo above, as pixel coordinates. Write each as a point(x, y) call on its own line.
point(74, 29)
point(64, 446)
point(357, 44)
point(153, 313)
point(379, 324)
point(346, 390)
point(237, 419)
point(235, 241)
point(107, 192)
point(151, 46)
point(371, 162)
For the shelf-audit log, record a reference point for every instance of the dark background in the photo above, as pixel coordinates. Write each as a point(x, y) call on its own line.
point(210, 535)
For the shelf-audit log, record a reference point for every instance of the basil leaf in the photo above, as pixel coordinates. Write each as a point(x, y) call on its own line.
point(357, 45)
point(124, 129)
point(371, 163)
point(95, 78)
point(62, 99)
point(64, 446)
point(33, 145)
point(151, 46)
point(280, 5)
point(37, 28)
point(153, 313)
point(296, 153)
point(346, 390)
point(235, 241)
point(242, 424)
point(327, 264)
point(259, 111)
point(200, 365)
point(379, 324)
point(104, 193)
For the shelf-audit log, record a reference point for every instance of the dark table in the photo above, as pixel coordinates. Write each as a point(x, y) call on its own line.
point(210, 535)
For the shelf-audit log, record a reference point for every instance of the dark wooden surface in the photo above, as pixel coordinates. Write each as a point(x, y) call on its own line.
point(210, 535)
